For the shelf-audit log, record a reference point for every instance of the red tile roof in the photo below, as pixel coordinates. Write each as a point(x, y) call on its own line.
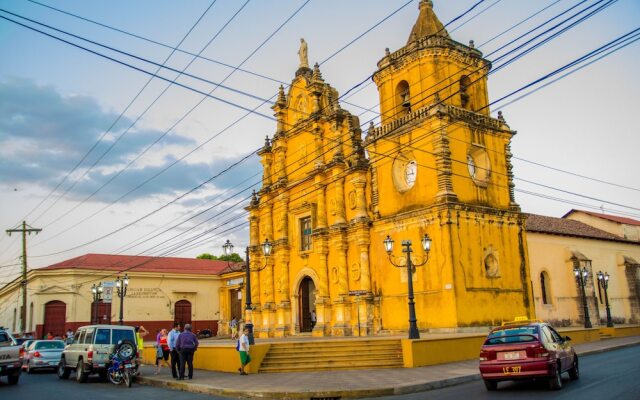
point(124, 263)
point(568, 227)
point(614, 218)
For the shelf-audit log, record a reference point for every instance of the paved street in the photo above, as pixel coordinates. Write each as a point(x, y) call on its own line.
point(609, 375)
point(604, 375)
point(46, 386)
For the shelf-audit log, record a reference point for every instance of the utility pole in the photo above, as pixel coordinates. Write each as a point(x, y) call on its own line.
point(25, 229)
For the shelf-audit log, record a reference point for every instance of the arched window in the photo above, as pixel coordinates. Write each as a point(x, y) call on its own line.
point(545, 287)
point(403, 100)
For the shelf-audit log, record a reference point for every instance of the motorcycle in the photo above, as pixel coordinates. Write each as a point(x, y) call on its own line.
point(122, 365)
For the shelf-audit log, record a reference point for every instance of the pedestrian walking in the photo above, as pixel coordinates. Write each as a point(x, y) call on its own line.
point(162, 350)
point(314, 319)
point(172, 338)
point(243, 349)
point(187, 344)
point(234, 328)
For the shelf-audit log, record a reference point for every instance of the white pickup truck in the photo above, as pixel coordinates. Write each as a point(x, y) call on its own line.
point(10, 357)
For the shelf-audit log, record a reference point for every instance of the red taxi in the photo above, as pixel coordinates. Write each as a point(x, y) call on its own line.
point(527, 349)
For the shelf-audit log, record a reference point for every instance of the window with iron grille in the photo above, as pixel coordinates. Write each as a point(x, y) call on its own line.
point(305, 234)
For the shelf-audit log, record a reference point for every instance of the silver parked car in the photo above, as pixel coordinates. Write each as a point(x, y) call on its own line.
point(43, 354)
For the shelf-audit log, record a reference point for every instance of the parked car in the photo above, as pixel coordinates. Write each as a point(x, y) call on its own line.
point(527, 349)
point(27, 343)
point(89, 352)
point(10, 357)
point(43, 354)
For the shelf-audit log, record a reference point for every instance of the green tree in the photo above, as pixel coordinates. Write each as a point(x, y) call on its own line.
point(207, 256)
point(234, 257)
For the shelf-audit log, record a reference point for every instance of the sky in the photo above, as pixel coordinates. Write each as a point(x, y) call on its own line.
point(107, 157)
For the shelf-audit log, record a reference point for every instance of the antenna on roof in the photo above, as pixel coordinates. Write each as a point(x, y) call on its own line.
point(602, 208)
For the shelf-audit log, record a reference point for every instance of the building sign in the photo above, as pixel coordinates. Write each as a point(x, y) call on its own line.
point(144, 293)
point(357, 292)
point(235, 281)
point(107, 292)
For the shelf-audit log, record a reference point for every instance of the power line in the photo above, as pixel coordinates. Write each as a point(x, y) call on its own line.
point(117, 119)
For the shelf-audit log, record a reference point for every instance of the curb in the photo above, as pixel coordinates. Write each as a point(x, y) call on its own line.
point(343, 394)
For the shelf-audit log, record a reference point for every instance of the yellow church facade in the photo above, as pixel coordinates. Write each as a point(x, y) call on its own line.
point(438, 165)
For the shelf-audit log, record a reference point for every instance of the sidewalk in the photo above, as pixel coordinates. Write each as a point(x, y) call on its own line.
point(341, 384)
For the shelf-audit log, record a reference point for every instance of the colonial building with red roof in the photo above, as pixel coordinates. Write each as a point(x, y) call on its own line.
point(160, 290)
point(558, 246)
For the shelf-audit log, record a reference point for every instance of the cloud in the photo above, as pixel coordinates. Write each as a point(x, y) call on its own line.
point(43, 134)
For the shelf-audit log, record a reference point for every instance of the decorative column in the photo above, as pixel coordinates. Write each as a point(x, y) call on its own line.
point(280, 159)
point(323, 300)
point(283, 309)
point(339, 245)
point(339, 198)
point(512, 198)
point(266, 159)
point(267, 286)
point(359, 182)
point(280, 111)
point(254, 240)
point(443, 166)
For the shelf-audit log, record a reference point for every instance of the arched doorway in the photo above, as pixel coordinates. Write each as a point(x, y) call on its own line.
point(306, 303)
point(55, 318)
point(182, 312)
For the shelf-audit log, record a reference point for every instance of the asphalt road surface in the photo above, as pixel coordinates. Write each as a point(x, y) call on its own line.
point(45, 385)
point(609, 375)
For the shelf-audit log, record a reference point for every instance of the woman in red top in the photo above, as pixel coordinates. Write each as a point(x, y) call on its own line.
point(162, 350)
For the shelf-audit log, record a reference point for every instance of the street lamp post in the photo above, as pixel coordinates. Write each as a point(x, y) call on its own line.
point(410, 265)
point(97, 296)
point(267, 246)
point(581, 276)
point(121, 286)
point(603, 281)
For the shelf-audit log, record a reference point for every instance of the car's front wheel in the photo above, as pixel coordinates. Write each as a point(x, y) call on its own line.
point(574, 372)
point(491, 385)
point(555, 382)
point(63, 371)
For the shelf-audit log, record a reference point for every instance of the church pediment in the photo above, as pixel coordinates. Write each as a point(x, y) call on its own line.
point(55, 289)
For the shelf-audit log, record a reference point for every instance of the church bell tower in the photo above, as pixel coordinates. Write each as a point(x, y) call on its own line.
point(440, 164)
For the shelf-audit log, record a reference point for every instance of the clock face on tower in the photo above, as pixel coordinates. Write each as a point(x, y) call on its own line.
point(410, 172)
point(405, 172)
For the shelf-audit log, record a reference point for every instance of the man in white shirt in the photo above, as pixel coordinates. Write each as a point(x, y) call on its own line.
point(243, 348)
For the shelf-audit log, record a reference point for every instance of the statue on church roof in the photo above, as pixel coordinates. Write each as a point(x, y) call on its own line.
point(304, 58)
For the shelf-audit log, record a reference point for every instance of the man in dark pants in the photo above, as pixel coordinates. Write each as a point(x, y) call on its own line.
point(187, 344)
point(172, 339)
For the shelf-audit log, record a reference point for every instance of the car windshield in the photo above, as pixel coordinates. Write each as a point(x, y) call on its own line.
point(519, 334)
point(52, 345)
point(122, 334)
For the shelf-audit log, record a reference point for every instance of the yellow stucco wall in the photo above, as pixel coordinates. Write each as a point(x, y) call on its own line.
point(217, 357)
point(150, 297)
point(551, 254)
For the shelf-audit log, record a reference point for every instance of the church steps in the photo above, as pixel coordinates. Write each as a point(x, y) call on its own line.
point(333, 355)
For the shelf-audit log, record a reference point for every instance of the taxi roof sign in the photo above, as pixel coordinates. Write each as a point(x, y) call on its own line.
point(520, 321)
